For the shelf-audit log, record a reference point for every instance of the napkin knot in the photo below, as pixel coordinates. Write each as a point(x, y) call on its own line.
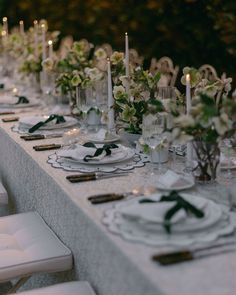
point(180, 203)
point(105, 148)
point(22, 99)
point(59, 119)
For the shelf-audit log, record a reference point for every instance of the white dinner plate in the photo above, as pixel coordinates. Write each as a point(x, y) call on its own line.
point(113, 138)
point(125, 153)
point(181, 186)
point(212, 211)
point(30, 121)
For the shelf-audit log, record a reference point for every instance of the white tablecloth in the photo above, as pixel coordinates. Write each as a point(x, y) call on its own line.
point(112, 265)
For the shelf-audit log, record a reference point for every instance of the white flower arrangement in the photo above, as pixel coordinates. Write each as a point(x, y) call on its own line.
point(212, 114)
point(132, 105)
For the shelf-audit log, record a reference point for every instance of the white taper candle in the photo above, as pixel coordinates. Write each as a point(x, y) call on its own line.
point(111, 115)
point(126, 54)
point(44, 41)
point(36, 45)
point(50, 48)
point(22, 29)
point(4, 36)
point(5, 25)
point(188, 107)
point(188, 94)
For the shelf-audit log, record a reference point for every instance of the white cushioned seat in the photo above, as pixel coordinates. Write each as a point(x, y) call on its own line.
point(3, 195)
point(71, 288)
point(28, 246)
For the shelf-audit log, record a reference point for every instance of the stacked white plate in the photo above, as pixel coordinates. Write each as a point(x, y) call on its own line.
point(8, 101)
point(102, 136)
point(29, 121)
point(78, 152)
point(121, 159)
point(144, 222)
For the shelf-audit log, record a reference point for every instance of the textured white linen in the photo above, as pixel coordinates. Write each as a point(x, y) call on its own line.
point(112, 265)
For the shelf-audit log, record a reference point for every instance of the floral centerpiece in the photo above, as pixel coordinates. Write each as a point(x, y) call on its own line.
point(77, 70)
point(131, 105)
point(210, 121)
point(30, 59)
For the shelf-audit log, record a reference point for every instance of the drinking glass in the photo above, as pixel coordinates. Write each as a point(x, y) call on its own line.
point(167, 92)
point(87, 99)
point(101, 94)
point(47, 84)
point(167, 95)
point(152, 129)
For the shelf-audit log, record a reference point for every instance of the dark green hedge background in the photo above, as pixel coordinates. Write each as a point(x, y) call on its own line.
point(191, 32)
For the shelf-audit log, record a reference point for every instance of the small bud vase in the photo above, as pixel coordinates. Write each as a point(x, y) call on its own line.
point(207, 156)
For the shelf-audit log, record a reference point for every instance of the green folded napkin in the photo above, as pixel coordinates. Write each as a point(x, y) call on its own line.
point(59, 119)
point(105, 148)
point(2, 86)
point(180, 204)
point(22, 99)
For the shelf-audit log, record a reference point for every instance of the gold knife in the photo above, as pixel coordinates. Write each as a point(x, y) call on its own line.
point(40, 136)
point(188, 255)
point(93, 176)
point(46, 147)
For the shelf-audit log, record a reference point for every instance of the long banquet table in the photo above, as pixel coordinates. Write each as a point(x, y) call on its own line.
point(112, 265)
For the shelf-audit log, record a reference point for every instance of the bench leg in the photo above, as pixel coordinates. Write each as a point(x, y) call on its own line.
point(18, 284)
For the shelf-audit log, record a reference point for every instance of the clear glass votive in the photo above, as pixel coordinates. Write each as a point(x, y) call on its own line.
point(72, 136)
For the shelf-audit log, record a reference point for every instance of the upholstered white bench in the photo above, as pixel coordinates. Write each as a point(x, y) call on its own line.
point(71, 288)
point(29, 246)
point(3, 195)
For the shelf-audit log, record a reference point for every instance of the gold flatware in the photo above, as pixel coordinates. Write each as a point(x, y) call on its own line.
point(7, 113)
point(46, 147)
point(10, 119)
point(111, 197)
point(39, 136)
point(104, 198)
point(93, 176)
point(188, 255)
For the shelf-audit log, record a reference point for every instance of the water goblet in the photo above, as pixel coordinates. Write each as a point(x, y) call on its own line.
point(152, 129)
point(47, 84)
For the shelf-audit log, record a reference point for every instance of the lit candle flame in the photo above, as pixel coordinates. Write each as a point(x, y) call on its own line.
point(14, 90)
point(188, 78)
point(50, 42)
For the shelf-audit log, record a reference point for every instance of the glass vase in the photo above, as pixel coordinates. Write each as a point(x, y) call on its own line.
point(207, 156)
